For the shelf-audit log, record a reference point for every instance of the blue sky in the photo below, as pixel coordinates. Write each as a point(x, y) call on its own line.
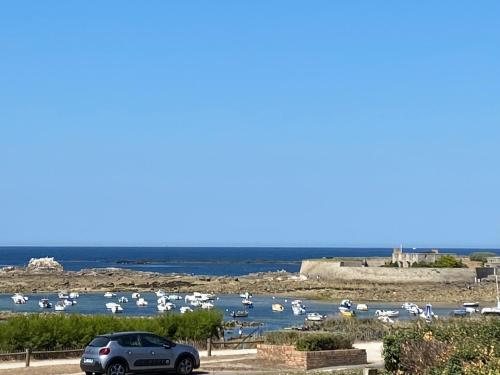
point(250, 123)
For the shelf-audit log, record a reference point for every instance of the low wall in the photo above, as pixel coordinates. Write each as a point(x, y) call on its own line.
point(323, 269)
point(288, 356)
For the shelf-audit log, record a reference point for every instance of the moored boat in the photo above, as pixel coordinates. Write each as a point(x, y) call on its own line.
point(123, 299)
point(247, 302)
point(136, 295)
point(166, 306)
point(315, 317)
point(109, 295)
point(388, 313)
point(277, 307)
point(19, 299)
point(185, 309)
point(59, 306)
point(239, 314)
point(361, 307)
point(44, 303)
point(348, 313)
point(141, 302)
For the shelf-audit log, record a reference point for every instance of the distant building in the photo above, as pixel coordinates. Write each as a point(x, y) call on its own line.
point(406, 260)
point(493, 262)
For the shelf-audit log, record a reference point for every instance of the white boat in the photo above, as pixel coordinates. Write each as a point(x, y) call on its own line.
point(162, 300)
point(109, 295)
point(471, 304)
point(246, 295)
point(141, 302)
point(361, 307)
point(116, 309)
point(110, 305)
point(298, 309)
point(385, 319)
point(247, 302)
point(174, 297)
point(345, 305)
point(74, 295)
point(202, 297)
point(195, 303)
point(388, 313)
point(277, 307)
point(493, 310)
point(185, 309)
point(123, 300)
point(44, 303)
point(68, 302)
point(19, 299)
point(315, 317)
point(160, 293)
point(428, 314)
point(166, 306)
point(207, 305)
point(59, 306)
point(136, 295)
point(62, 295)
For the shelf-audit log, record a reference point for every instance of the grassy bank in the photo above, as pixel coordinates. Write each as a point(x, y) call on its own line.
point(54, 331)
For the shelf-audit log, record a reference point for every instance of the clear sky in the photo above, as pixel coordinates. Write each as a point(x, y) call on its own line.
point(321, 123)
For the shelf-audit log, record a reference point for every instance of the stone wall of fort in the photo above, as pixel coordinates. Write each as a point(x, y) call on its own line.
point(330, 271)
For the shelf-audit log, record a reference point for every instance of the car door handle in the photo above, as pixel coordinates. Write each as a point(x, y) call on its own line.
point(129, 352)
point(152, 352)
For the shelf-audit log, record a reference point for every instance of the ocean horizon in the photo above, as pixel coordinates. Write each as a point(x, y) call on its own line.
point(210, 260)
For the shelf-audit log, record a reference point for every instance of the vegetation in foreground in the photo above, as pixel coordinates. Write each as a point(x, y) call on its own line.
point(360, 329)
point(54, 331)
point(310, 341)
point(451, 347)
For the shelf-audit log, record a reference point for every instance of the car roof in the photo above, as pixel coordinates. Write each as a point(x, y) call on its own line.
point(114, 335)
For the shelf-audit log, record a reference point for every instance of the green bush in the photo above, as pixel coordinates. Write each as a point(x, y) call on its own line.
point(361, 329)
point(446, 261)
point(445, 347)
point(481, 256)
point(55, 331)
point(309, 341)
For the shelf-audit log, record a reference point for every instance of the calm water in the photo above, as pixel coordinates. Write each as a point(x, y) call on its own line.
point(196, 260)
point(94, 303)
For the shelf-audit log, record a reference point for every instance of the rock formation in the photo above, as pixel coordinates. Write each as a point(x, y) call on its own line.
point(44, 264)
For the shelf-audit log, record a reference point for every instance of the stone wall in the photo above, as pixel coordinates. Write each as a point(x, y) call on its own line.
point(289, 357)
point(323, 269)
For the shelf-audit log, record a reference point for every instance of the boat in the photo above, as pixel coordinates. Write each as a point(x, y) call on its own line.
point(348, 313)
point(68, 302)
point(388, 313)
point(196, 296)
point(246, 295)
point(62, 295)
point(471, 304)
point(167, 306)
point(428, 314)
point(196, 303)
point(207, 305)
point(493, 310)
point(361, 307)
point(160, 293)
point(141, 302)
point(247, 302)
point(174, 297)
point(74, 295)
point(136, 295)
point(185, 309)
point(345, 305)
point(109, 295)
point(162, 300)
point(277, 307)
point(116, 309)
point(123, 299)
point(44, 303)
point(59, 306)
point(19, 299)
point(239, 314)
point(460, 312)
point(385, 319)
point(298, 309)
point(315, 317)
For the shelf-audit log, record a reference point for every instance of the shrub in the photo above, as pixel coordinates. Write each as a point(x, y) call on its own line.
point(362, 329)
point(445, 347)
point(446, 261)
point(54, 331)
point(481, 256)
point(309, 341)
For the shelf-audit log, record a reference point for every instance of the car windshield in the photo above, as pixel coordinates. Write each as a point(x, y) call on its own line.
point(99, 341)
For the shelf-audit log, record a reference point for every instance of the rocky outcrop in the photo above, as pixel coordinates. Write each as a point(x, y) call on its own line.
point(44, 264)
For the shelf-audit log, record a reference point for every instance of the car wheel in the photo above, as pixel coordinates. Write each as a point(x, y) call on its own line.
point(184, 366)
point(116, 368)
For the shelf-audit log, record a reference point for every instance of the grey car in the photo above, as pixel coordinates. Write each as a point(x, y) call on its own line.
point(137, 352)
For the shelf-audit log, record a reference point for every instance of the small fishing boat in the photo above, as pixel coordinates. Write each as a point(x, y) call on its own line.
point(385, 319)
point(136, 295)
point(428, 314)
point(115, 308)
point(68, 302)
point(247, 302)
point(167, 306)
point(160, 293)
point(315, 317)
point(62, 295)
point(19, 299)
point(195, 303)
point(185, 309)
point(277, 307)
point(109, 295)
point(361, 307)
point(207, 305)
point(471, 304)
point(388, 313)
point(345, 305)
point(239, 314)
point(348, 313)
point(460, 312)
point(162, 300)
point(141, 302)
point(246, 295)
point(298, 309)
point(44, 303)
point(174, 297)
point(123, 299)
point(59, 306)
point(74, 295)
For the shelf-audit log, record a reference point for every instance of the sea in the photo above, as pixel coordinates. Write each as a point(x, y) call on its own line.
point(219, 261)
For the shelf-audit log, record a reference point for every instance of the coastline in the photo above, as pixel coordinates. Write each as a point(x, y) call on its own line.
point(270, 283)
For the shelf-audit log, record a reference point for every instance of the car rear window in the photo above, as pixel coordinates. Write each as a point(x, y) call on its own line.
point(99, 341)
